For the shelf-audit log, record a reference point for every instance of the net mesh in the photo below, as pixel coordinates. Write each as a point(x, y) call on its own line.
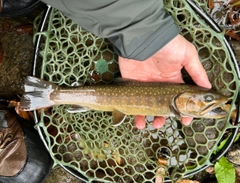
point(89, 144)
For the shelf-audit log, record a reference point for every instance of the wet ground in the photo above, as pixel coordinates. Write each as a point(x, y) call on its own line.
point(59, 175)
point(16, 53)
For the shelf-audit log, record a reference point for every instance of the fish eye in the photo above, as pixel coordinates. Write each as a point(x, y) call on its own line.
point(208, 98)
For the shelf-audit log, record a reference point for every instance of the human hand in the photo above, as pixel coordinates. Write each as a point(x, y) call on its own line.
point(165, 66)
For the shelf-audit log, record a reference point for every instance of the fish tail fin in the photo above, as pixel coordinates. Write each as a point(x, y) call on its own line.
point(37, 94)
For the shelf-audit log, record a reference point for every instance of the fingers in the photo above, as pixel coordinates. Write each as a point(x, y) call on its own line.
point(140, 122)
point(186, 120)
point(158, 121)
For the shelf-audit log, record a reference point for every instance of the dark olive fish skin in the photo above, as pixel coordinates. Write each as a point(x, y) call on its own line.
point(130, 98)
point(127, 97)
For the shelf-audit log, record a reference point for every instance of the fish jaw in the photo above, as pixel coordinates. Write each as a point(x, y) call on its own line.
point(215, 110)
point(216, 113)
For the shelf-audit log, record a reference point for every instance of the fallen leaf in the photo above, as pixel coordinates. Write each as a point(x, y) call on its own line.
point(1, 53)
point(6, 25)
point(23, 29)
point(210, 170)
point(211, 4)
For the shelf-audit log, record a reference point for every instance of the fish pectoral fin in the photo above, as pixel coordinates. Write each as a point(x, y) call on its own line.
point(174, 111)
point(117, 117)
point(76, 109)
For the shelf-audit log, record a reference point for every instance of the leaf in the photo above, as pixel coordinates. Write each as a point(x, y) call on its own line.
point(236, 4)
point(225, 171)
point(222, 144)
point(1, 53)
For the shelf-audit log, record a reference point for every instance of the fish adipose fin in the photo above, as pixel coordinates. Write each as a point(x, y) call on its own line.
point(117, 117)
point(37, 94)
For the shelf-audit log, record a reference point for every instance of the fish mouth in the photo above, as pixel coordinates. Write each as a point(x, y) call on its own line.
point(214, 111)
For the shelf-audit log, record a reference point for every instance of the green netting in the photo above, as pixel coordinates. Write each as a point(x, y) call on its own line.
point(89, 144)
point(203, 4)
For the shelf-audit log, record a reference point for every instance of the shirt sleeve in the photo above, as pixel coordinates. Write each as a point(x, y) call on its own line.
point(136, 28)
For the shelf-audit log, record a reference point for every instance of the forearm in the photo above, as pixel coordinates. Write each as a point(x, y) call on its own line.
point(136, 28)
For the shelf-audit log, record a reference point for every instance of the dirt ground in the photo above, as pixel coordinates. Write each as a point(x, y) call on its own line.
point(16, 53)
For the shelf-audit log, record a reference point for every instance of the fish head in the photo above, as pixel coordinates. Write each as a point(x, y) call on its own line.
point(202, 104)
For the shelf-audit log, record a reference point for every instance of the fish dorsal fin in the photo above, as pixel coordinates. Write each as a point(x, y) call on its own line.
point(76, 109)
point(117, 117)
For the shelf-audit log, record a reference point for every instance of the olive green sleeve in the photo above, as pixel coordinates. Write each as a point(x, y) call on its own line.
point(136, 28)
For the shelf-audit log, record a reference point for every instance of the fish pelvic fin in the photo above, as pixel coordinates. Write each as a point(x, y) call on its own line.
point(37, 94)
point(118, 118)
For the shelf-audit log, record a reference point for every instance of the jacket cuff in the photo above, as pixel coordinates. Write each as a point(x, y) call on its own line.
point(152, 44)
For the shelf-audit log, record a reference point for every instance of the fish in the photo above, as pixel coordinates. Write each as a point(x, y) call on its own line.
point(127, 97)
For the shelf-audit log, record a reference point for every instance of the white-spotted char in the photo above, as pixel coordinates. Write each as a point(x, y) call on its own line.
point(128, 98)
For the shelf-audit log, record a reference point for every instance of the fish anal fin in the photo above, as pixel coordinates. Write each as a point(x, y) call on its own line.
point(117, 117)
point(76, 109)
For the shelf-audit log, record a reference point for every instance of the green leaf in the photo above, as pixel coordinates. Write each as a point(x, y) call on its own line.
point(225, 171)
point(222, 144)
point(237, 3)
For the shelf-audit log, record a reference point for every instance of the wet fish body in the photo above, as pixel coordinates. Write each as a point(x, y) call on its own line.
point(128, 98)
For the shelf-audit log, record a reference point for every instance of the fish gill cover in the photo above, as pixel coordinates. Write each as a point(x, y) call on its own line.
point(87, 143)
